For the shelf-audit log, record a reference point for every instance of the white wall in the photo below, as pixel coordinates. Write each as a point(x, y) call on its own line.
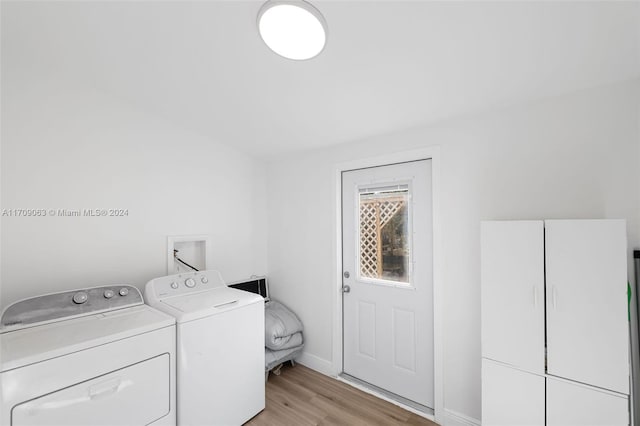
point(574, 156)
point(66, 146)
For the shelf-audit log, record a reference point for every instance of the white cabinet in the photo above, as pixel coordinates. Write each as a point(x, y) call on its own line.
point(577, 270)
point(587, 319)
point(511, 397)
point(573, 404)
point(513, 293)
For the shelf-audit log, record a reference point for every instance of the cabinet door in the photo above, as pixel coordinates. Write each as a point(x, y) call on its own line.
point(134, 395)
point(573, 404)
point(587, 318)
point(512, 275)
point(511, 397)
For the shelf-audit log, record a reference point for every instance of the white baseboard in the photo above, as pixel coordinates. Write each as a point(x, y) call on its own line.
point(453, 418)
point(316, 363)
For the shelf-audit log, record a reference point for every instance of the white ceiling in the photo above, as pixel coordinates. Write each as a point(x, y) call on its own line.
point(388, 65)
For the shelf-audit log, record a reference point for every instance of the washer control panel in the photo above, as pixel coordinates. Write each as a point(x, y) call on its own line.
point(179, 284)
point(60, 306)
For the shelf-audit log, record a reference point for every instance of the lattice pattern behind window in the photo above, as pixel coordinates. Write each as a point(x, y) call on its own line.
point(374, 215)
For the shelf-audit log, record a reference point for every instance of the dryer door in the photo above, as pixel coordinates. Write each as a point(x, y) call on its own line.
point(134, 395)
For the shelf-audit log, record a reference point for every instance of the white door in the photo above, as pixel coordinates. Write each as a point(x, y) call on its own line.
point(511, 397)
point(512, 292)
point(573, 404)
point(387, 271)
point(587, 317)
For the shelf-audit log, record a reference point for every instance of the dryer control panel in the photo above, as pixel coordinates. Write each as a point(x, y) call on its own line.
point(180, 284)
point(68, 304)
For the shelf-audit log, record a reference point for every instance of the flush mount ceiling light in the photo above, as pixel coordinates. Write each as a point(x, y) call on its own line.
point(293, 29)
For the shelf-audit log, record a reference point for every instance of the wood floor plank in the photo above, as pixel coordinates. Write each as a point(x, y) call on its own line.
point(303, 397)
point(301, 406)
point(375, 410)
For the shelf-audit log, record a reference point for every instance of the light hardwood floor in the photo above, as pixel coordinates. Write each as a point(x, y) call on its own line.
point(301, 396)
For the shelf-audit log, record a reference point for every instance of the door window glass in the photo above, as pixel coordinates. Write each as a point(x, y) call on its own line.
point(384, 237)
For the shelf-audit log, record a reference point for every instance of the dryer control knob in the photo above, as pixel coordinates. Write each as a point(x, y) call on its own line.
point(108, 294)
point(123, 291)
point(174, 285)
point(80, 297)
point(204, 280)
point(190, 282)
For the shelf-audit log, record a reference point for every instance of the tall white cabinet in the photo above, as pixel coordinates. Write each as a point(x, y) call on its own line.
point(555, 342)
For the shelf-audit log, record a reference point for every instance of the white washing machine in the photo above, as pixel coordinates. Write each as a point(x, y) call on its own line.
point(96, 356)
point(220, 347)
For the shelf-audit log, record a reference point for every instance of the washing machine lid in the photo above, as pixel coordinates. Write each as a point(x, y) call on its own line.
point(38, 343)
point(189, 307)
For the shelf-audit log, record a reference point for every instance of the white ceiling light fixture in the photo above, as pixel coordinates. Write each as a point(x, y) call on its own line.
point(292, 29)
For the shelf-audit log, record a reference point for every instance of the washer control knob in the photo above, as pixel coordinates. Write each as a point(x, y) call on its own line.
point(80, 297)
point(123, 291)
point(174, 285)
point(190, 282)
point(108, 294)
point(204, 280)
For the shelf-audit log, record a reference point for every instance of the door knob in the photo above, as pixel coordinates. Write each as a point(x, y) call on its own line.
point(346, 289)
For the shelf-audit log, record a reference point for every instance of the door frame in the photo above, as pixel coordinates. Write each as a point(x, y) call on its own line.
point(429, 153)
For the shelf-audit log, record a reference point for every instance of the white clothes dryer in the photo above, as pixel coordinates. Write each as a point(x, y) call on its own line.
point(220, 346)
point(96, 356)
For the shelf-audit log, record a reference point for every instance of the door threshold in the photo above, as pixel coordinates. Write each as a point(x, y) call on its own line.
point(407, 404)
